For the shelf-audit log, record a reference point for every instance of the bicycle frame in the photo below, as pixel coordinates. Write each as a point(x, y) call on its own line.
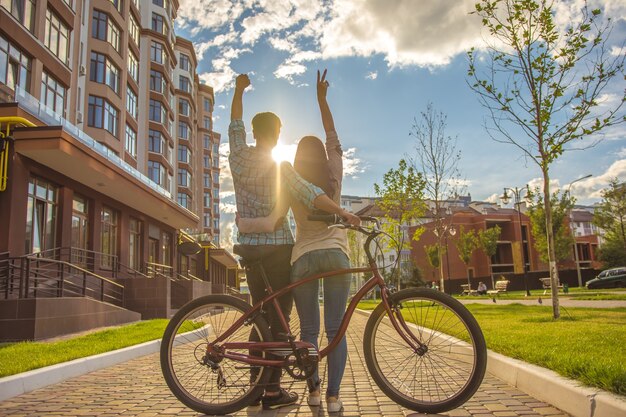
point(376, 280)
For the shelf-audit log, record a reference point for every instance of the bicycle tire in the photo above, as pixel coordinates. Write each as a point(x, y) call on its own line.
point(197, 385)
point(444, 377)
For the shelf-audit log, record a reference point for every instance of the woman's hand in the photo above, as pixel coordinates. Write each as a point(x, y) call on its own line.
point(322, 86)
point(350, 218)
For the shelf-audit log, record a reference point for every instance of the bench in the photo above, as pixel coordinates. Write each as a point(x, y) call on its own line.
point(467, 290)
point(500, 287)
point(547, 285)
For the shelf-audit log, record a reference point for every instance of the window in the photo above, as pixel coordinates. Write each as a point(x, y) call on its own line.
point(133, 30)
point(14, 66)
point(156, 142)
point(157, 83)
point(135, 228)
point(131, 141)
point(206, 180)
point(216, 161)
point(207, 105)
point(184, 84)
point(131, 102)
point(207, 220)
point(216, 209)
point(207, 142)
point(184, 178)
point(117, 4)
point(184, 62)
point(158, 24)
point(183, 130)
point(184, 154)
point(113, 77)
point(156, 172)
point(206, 162)
point(57, 37)
point(216, 193)
point(207, 123)
point(184, 200)
point(207, 199)
point(52, 94)
point(41, 216)
point(102, 115)
point(133, 66)
point(103, 28)
point(22, 10)
point(183, 107)
point(156, 53)
point(108, 235)
point(166, 241)
point(80, 230)
point(216, 224)
point(157, 112)
point(160, 3)
point(97, 68)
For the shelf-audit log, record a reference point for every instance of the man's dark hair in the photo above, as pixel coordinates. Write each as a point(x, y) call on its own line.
point(266, 124)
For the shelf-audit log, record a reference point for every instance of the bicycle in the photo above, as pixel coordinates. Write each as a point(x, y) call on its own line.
point(422, 347)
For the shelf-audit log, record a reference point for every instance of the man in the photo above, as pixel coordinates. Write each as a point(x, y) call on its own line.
point(258, 182)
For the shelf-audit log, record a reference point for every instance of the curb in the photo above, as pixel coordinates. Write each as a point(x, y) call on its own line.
point(24, 382)
point(543, 384)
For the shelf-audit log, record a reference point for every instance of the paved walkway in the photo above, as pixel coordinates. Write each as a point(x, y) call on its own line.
point(136, 388)
point(547, 301)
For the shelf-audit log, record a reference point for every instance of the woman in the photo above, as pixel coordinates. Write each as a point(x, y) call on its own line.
point(318, 249)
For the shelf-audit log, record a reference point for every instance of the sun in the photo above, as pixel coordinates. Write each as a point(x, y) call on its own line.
point(284, 153)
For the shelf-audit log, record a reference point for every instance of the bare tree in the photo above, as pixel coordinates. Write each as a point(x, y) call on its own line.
point(436, 158)
point(542, 85)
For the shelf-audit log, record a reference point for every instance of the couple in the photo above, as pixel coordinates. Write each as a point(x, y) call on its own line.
point(264, 192)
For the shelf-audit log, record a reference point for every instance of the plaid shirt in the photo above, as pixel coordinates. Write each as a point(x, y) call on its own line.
point(256, 186)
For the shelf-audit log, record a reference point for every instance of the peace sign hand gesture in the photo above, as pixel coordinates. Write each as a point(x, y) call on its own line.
point(322, 85)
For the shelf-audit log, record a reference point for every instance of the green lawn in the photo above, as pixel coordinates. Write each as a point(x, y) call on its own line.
point(24, 356)
point(574, 293)
point(586, 344)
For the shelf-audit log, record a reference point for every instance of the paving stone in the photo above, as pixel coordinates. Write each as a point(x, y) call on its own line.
point(137, 389)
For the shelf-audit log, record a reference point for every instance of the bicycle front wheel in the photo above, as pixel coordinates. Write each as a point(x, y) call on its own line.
point(205, 383)
point(451, 369)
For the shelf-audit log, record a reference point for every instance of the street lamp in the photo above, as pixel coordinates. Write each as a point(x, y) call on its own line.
point(447, 229)
point(576, 258)
point(518, 201)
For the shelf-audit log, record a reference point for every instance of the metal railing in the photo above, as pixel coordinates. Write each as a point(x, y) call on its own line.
point(36, 277)
point(154, 270)
point(83, 258)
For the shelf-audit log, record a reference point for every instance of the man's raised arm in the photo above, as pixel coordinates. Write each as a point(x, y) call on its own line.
point(236, 110)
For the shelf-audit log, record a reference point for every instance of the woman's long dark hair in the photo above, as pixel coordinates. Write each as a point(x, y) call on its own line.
point(311, 162)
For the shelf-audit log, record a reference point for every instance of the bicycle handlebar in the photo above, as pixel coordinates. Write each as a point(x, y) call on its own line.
point(335, 219)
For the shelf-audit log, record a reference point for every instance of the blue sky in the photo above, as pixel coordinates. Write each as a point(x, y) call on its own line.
point(386, 60)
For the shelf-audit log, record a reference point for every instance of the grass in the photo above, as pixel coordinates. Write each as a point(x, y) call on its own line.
point(25, 356)
point(574, 293)
point(585, 344)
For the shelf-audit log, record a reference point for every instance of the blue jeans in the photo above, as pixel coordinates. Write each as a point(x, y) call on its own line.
point(336, 290)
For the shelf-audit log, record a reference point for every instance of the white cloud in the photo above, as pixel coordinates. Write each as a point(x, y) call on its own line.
point(622, 153)
point(352, 166)
point(372, 75)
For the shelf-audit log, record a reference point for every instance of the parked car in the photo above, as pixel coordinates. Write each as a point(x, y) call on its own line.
point(610, 278)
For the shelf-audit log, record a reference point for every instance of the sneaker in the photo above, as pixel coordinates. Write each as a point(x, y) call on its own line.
point(284, 398)
point(333, 404)
point(315, 398)
point(256, 402)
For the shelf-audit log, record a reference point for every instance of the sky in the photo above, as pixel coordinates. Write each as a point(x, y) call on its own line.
point(386, 60)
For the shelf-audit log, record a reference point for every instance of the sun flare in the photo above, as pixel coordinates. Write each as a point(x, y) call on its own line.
point(284, 153)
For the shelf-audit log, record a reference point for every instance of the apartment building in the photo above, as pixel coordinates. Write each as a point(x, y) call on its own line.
point(109, 160)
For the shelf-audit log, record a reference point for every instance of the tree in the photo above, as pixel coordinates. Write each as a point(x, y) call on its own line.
point(466, 244)
point(543, 84)
point(433, 255)
point(563, 240)
point(401, 198)
point(436, 158)
point(488, 240)
point(611, 217)
point(357, 253)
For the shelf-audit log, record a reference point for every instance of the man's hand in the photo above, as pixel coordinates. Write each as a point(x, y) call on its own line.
point(322, 86)
point(242, 82)
point(350, 218)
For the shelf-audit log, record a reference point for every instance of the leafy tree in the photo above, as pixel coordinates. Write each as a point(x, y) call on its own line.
point(488, 240)
point(433, 255)
point(466, 244)
point(611, 217)
point(542, 86)
point(561, 206)
point(437, 158)
point(401, 198)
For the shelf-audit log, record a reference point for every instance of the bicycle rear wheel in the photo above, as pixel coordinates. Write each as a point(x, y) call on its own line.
point(448, 373)
point(221, 385)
